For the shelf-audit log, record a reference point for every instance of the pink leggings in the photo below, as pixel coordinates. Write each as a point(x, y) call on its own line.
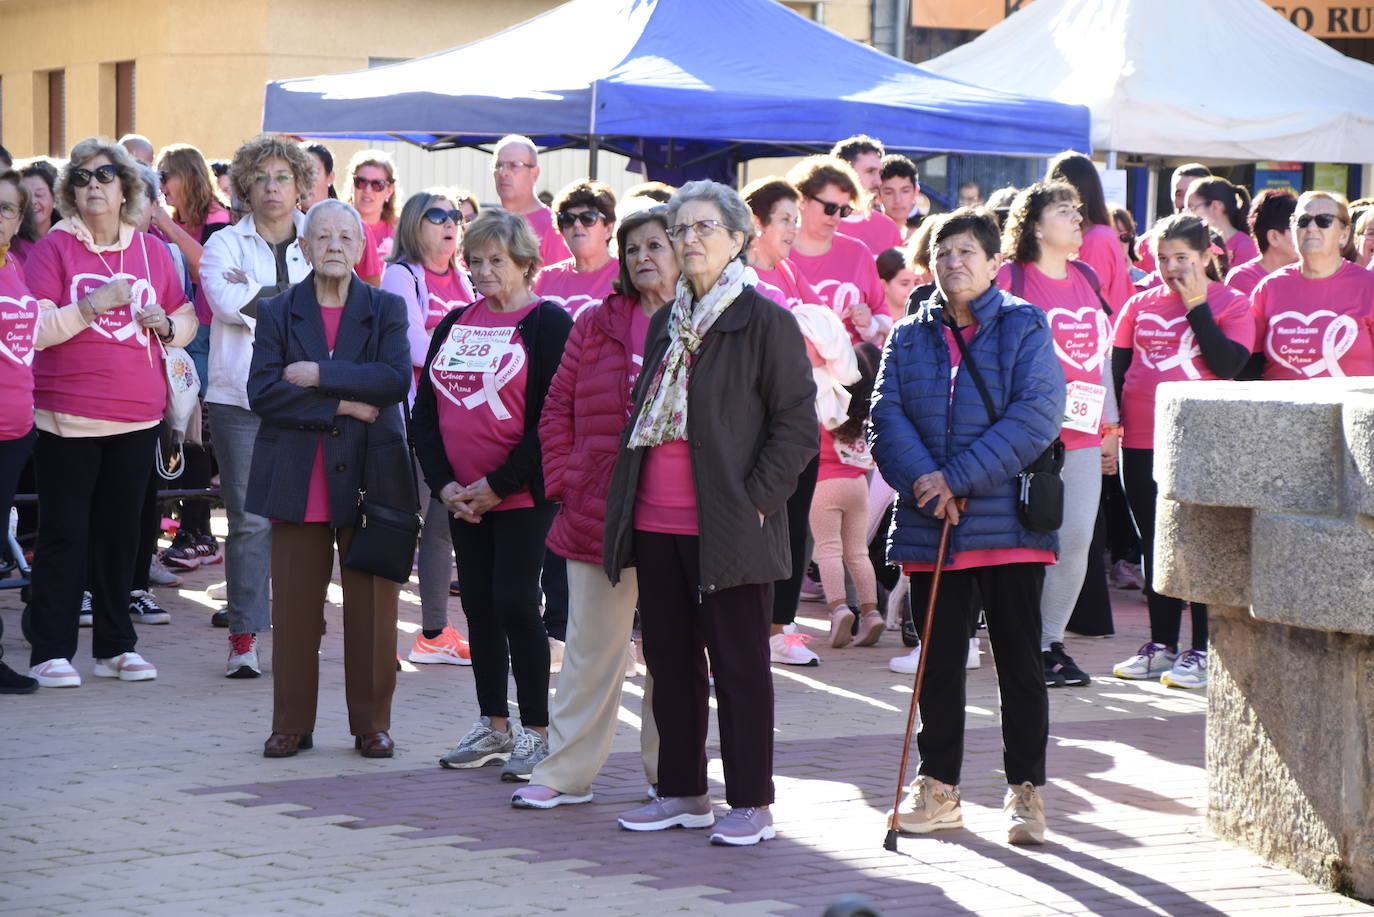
point(839, 523)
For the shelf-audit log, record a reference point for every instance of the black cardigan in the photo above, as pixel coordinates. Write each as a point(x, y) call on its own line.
point(547, 326)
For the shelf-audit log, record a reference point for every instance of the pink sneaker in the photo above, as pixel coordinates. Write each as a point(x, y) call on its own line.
point(670, 812)
point(125, 667)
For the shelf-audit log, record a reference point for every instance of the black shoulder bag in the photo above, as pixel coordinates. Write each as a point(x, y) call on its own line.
point(384, 537)
point(1040, 500)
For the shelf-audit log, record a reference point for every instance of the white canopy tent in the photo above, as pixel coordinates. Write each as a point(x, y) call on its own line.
point(1221, 79)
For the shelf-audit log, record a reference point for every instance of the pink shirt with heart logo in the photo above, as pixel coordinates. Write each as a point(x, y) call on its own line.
point(1309, 329)
point(18, 325)
point(1082, 331)
point(1154, 324)
point(576, 290)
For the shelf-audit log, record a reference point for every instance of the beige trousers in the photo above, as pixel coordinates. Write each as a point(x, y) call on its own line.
point(584, 712)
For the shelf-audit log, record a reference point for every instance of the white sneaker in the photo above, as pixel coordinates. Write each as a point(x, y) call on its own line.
point(243, 657)
point(1189, 671)
point(55, 673)
point(972, 662)
point(555, 655)
point(929, 806)
point(125, 667)
point(1148, 661)
point(159, 575)
point(790, 649)
point(631, 661)
point(1025, 814)
point(906, 665)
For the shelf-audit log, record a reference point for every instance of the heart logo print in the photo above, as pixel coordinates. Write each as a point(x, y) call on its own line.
point(1310, 344)
point(1081, 338)
point(18, 325)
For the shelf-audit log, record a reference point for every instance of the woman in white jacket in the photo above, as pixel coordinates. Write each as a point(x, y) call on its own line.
point(244, 264)
point(423, 270)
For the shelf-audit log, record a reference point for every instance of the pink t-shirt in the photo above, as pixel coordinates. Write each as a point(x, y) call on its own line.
point(988, 557)
point(791, 282)
point(843, 460)
point(1082, 331)
point(317, 497)
point(573, 290)
point(1101, 250)
point(382, 235)
point(447, 292)
point(1309, 329)
point(843, 276)
point(370, 264)
point(18, 325)
point(874, 229)
point(639, 330)
point(112, 370)
point(1154, 324)
point(1245, 277)
point(1240, 248)
point(482, 411)
point(1145, 248)
point(553, 248)
point(666, 500)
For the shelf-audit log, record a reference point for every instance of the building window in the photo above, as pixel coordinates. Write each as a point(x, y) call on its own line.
point(125, 109)
point(57, 113)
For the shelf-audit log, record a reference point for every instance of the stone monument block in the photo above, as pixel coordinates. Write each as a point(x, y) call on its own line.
point(1209, 552)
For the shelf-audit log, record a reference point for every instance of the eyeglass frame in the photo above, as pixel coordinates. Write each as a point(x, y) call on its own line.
point(830, 208)
point(378, 185)
point(700, 228)
point(80, 178)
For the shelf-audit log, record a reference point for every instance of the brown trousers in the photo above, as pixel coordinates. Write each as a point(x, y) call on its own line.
point(302, 561)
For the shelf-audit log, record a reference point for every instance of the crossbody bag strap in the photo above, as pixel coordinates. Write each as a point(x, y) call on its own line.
point(966, 361)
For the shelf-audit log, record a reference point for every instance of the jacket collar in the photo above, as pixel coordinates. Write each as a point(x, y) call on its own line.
point(355, 326)
point(615, 315)
point(247, 227)
point(984, 308)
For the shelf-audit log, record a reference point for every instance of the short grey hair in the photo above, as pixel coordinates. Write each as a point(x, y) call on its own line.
point(518, 140)
point(331, 203)
point(152, 182)
point(735, 213)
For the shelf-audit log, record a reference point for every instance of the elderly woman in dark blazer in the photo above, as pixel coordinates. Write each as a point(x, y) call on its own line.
point(723, 423)
point(331, 362)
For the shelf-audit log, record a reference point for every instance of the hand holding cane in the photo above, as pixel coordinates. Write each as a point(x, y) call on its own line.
point(890, 843)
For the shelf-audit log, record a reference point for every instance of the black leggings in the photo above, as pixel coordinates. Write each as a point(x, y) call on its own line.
point(1166, 612)
point(499, 561)
point(787, 592)
point(14, 454)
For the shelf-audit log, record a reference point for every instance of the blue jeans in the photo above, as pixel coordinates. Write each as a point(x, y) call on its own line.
point(248, 549)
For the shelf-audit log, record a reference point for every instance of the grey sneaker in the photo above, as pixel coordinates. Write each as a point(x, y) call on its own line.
point(928, 807)
point(670, 812)
point(481, 746)
point(743, 826)
point(530, 749)
point(1027, 812)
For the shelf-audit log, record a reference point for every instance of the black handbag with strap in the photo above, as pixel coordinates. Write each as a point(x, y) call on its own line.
point(384, 537)
point(1040, 495)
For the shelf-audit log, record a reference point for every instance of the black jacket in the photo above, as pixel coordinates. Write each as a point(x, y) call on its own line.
point(544, 330)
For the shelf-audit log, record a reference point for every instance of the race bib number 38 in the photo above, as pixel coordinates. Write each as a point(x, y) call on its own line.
point(474, 350)
point(1083, 406)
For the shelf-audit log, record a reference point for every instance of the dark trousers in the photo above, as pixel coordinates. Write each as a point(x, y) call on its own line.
point(499, 562)
point(149, 527)
point(1092, 614)
point(554, 583)
point(1011, 602)
point(90, 495)
point(302, 561)
point(194, 515)
point(680, 625)
point(1166, 612)
point(787, 592)
point(1122, 539)
point(14, 454)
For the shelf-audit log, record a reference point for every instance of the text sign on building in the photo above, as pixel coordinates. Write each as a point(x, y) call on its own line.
point(1319, 18)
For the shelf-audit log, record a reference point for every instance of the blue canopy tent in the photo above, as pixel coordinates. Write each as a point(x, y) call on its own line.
point(738, 78)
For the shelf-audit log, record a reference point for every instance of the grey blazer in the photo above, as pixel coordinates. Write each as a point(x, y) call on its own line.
point(370, 363)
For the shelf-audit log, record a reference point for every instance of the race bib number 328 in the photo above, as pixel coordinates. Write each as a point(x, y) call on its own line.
point(474, 350)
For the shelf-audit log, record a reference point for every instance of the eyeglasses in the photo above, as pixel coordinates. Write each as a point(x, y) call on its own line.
point(1126, 238)
point(9, 211)
point(437, 216)
point(510, 165)
point(830, 207)
point(587, 218)
point(378, 185)
point(1323, 220)
point(702, 228)
point(786, 220)
point(103, 174)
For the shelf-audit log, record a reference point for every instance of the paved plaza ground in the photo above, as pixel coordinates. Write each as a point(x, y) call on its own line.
point(154, 799)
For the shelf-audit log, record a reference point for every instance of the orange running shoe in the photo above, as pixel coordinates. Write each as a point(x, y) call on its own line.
point(449, 648)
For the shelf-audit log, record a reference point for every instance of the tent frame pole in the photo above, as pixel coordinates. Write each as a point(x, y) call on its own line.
point(593, 139)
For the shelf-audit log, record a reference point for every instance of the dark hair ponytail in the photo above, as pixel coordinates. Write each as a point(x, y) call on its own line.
point(1235, 198)
point(1079, 171)
point(1192, 232)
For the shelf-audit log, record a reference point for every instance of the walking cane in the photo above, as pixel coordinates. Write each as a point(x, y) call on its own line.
point(890, 843)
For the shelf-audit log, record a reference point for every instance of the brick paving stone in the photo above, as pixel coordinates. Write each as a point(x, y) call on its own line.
point(164, 805)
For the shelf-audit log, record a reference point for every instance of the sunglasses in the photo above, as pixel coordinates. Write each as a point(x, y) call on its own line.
point(587, 218)
point(103, 174)
point(1126, 238)
point(1323, 220)
point(378, 185)
point(702, 228)
point(830, 208)
point(437, 216)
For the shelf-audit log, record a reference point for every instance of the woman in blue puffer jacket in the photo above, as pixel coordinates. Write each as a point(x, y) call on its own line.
point(937, 445)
